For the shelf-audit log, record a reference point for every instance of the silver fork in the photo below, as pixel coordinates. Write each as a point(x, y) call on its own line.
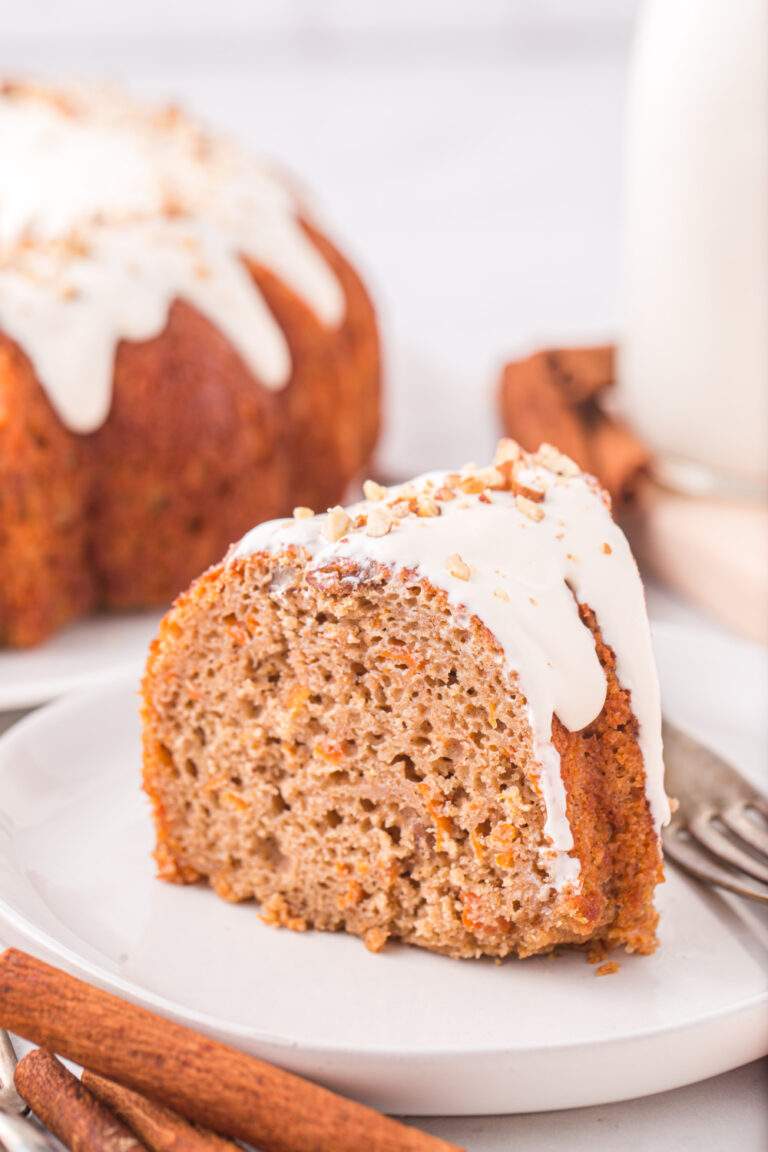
point(17, 1133)
point(719, 832)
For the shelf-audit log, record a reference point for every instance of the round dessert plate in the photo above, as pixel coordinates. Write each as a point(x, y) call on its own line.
point(404, 1030)
point(80, 656)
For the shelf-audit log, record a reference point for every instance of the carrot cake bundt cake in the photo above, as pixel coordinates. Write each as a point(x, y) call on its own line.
point(433, 716)
point(183, 353)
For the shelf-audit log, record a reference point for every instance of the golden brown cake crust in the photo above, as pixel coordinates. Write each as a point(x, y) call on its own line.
point(193, 452)
point(603, 772)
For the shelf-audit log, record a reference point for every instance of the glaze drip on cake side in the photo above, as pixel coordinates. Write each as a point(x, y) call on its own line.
point(108, 213)
point(521, 566)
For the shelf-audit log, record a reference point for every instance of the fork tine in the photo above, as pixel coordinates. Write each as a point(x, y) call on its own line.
point(736, 819)
point(9, 1097)
point(692, 860)
point(702, 828)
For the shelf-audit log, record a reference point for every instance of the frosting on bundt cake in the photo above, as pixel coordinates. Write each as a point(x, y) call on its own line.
point(109, 212)
point(182, 353)
point(458, 670)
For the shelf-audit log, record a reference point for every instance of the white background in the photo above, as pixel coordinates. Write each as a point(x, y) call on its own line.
point(469, 155)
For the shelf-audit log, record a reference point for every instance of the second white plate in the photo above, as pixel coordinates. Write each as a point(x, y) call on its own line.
point(80, 656)
point(405, 1030)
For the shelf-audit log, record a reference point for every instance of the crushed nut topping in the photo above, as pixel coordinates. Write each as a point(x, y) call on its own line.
point(500, 594)
point(507, 452)
point(523, 486)
point(173, 207)
point(479, 480)
point(374, 491)
point(337, 522)
point(491, 477)
point(528, 508)
point(557, 461)
point(523, 477)
point(379, 522)
point(458, 567)
point(426, 506)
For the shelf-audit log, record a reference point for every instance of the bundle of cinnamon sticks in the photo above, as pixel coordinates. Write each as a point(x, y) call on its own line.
point(151, 1084)
point(561, 396)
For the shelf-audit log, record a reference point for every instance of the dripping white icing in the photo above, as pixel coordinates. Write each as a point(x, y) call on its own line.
point(542, 567)
point(108, 213)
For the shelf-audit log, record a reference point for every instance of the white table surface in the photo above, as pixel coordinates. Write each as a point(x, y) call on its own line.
point(470, 155)
point(718, 1115)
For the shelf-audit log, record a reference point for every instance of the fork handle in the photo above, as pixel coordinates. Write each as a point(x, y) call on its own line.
point(18, 1134)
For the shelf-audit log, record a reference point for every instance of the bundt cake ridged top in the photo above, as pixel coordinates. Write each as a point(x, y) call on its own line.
point(110, 211)
point(519, 546)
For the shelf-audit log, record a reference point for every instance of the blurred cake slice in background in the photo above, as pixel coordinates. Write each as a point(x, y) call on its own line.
point(183, 352)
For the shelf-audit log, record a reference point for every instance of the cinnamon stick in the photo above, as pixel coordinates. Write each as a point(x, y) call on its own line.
point(68, 1109)
point(208, 1082)
point(559, 395)
point(155, 1125)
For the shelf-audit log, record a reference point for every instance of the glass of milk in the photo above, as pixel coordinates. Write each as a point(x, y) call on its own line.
point(693, 363)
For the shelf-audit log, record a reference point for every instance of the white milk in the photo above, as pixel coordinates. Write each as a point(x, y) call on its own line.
point(694, 358)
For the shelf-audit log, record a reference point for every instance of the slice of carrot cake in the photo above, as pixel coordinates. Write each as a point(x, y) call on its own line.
point(432, 716)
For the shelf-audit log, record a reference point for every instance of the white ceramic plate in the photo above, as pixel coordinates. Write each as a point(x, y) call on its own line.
point(80, 656)
point(405, 1030)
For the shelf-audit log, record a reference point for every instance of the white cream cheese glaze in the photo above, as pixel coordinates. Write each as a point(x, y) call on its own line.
point(108, 213)
point(526, 577)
